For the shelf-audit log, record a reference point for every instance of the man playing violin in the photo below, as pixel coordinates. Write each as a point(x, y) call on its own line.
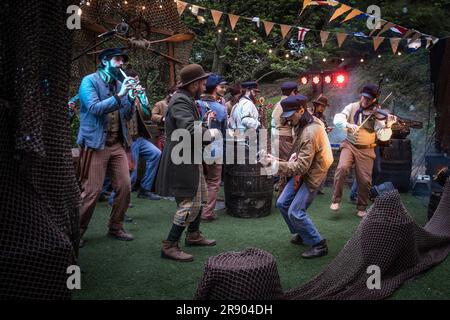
point(364, 125)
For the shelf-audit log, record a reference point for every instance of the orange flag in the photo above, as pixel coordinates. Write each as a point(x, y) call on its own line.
point(233, 20)
point(377, 41)
point(268, 26)
point(324, 37)
point(181, 6)
point(351, 15)
point(340, 38)
point(341, 10)
point(394, 44)
point(386, 27)
point(216, 16)
point(285, 29)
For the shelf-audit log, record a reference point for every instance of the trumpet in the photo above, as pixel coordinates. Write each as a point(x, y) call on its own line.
point(135, 84)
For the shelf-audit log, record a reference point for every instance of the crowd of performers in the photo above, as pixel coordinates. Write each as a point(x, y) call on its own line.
point(113, 137)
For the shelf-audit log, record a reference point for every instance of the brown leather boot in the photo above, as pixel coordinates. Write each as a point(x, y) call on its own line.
point(170, 250)
point(197, 239)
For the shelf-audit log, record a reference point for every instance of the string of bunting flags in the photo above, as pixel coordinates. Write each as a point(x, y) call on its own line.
point(412, 36)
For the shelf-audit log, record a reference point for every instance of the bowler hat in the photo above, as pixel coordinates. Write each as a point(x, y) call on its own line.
point(113, 52)
point(192, 73)
point(321, 100)
point(291, 104)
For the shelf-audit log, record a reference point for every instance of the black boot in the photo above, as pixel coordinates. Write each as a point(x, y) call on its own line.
point(316, 251)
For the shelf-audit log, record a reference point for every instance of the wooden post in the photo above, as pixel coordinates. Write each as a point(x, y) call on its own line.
point(171, 65)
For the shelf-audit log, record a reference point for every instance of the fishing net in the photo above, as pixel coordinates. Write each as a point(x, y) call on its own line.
point(39, 195)
point(391, 240)
point(250, 274)
point(152, 23)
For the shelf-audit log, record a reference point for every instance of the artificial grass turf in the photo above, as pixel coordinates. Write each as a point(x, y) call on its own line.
point(134, 270)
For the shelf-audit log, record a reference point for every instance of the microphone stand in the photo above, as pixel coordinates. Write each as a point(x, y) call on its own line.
point(90, 48)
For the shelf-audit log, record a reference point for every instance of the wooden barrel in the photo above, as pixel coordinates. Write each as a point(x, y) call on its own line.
point(396, 164)
point(248, 194)
point(332, 170)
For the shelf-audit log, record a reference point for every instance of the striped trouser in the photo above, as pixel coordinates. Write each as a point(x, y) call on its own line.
point(189, 208)
point(114, 160)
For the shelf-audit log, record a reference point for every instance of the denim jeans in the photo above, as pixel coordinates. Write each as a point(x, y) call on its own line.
point(293, 205)
point(151, 154)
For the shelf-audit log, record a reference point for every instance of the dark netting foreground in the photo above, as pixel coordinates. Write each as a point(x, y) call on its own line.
point(388, 238)
point(39, 195)
point(250, 274)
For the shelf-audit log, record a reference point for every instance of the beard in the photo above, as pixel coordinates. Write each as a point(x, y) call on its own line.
point(304, 119)
point(115, 73)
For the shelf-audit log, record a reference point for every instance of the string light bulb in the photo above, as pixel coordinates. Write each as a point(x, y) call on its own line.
point(125, 2)
point(143, 7)
point(236, 39)
point(88, 3)
point(287, 55)
point(342, 59)
point(306, 57)
point(254, 40)
point(270, 50)
point(219, 31)
point(399, 53)
point(379, 56)
point(160, 6)
point(324, 59)
point(362, 60)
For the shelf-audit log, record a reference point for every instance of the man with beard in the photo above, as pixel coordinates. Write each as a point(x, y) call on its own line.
point(310, 160)
point(180, 178)
point(245, 115)
point(105, 108)
point(213, 158)
point(363, 128)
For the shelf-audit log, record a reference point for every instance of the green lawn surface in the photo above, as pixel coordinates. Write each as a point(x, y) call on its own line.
point(114, 269)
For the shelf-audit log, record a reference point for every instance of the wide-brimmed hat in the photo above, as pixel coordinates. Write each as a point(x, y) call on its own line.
point(321, 100)
point(113, 52)
point(192, 73)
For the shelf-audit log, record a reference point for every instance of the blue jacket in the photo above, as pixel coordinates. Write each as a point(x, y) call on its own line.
point(220, 123)
point(96, 101)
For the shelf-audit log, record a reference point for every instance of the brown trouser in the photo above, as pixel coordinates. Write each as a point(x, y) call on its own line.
point(363, 160)
point(213, 176)
point(113, 159)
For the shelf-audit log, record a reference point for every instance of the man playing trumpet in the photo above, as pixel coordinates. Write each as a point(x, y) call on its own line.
point(105, 108)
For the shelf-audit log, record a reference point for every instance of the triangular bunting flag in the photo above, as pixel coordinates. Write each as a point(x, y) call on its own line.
point(305, 4)
point(257, 20)
point(233, 20)
point(380, 24)
point(386, 27)
point(377, 41)
point(302, 33)
point(340, 38)
point(341, 10)
point(324, 37)
point(285, 29)
point(408, 33)
point(394, 44)
point(268, 26)
point(416, 36)
point(351, 15)
point(429, 41)
point(181, 6)
point(216, 16)
point(399, 30)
